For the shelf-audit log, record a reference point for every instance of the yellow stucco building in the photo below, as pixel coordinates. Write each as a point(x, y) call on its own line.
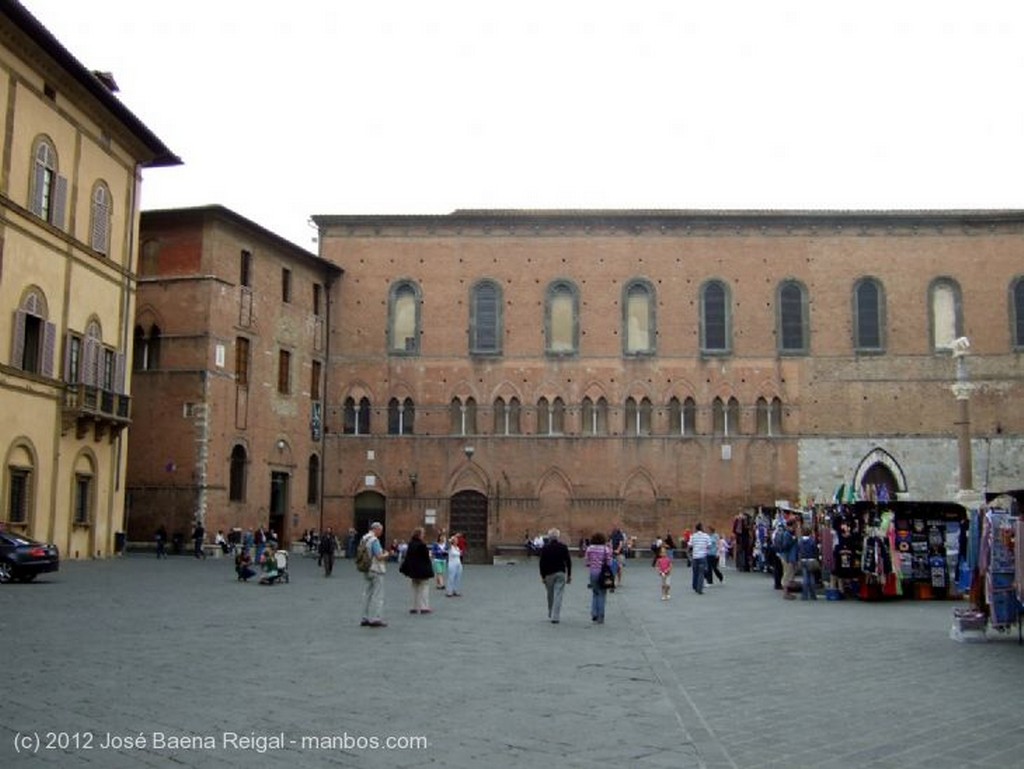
point(71, 157)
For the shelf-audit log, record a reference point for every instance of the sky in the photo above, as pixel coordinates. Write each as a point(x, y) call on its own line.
point(281, 111)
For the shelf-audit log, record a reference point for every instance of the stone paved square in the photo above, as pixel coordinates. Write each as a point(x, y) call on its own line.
point(243, 675)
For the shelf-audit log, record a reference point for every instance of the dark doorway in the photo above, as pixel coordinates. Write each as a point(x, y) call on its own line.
point(880, 476)
point(279, 505)
point(369, 507)
point(469, 515)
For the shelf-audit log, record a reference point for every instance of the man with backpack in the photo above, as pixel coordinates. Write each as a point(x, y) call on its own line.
point(370, 560)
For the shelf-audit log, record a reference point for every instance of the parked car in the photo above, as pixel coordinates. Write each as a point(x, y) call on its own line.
point(22, 558)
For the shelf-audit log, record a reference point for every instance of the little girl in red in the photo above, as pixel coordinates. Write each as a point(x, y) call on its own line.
point(664, 567)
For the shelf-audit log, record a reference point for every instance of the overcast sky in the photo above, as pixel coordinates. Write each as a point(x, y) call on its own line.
point(288, 109)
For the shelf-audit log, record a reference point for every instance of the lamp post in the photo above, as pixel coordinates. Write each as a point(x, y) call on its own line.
point(962, 392)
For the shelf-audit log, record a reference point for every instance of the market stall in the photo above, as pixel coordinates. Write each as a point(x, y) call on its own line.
point(873, 550)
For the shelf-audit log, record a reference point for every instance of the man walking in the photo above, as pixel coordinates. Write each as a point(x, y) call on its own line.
point(699, 542)
point(328, 544)
point(198, 535)
point(555, 572)
point(373, 593)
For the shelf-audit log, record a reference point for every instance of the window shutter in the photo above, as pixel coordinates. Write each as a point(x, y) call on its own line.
point(60, 198)
point(19, 338)
point(91, 362)
point(119, 362)
point(100, 226)
point(35, 205)
point(49, 348)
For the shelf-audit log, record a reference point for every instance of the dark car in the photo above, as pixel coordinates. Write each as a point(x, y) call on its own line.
point(22, 558)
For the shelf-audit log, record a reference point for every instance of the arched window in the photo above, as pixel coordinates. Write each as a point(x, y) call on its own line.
point(561, 325)
point(682, 417)
point(638, 417)
point(83, 494)
point(732, 417)
point(775, 417)
point(20, 483)
point(543, 417)
point(558, 417)
point(1017, 313)
point(313, 480)
point(868, 316)
point(34, 337)
point(404, 319)
point(506, 416)
point(48, 196)
point(408, 417)
point(146, 355)
point(100, 216)
point(792, 318)
point(595, 416)
point(718, 417)
point(357, 416)
point(715, 319)
point(500, 415)
point(463, 416)
point(400, 416)
point(236, 484)
point(689, 417)
point(762, 424)
point(945, 313)
point(638, 318)
point(485, 319)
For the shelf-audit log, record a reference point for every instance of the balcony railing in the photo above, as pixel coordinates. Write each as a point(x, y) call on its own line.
point(87, 407)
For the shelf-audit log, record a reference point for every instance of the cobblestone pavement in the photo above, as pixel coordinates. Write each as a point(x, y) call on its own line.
point(182, 666)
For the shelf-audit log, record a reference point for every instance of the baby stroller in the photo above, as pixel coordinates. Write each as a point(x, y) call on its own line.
point(282, 565)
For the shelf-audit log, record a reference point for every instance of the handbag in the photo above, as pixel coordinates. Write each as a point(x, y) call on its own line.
point(606, 579)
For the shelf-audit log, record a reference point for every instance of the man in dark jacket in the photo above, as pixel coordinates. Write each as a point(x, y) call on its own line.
point(328, 544)
point(555, 572)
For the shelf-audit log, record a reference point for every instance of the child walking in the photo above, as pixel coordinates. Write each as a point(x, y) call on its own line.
point(664, 566)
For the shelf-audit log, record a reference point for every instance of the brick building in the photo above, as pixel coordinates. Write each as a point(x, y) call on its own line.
point(504, 371)
point(231, 336)
point(70, 174)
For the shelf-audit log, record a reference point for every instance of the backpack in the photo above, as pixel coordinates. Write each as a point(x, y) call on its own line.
point(363, 558)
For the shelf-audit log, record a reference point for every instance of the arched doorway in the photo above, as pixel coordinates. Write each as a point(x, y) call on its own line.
point(468, 514)
point(879, 475)
point(369, 507)
point(882, 480)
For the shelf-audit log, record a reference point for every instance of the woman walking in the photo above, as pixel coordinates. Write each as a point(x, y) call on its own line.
point(418, 568)
point(597, 554)
point(454, 585)
point(439, 552)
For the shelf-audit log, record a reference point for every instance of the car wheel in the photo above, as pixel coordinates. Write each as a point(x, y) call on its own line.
point(5, 572)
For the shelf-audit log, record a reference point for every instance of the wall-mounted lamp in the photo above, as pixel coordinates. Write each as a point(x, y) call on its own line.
point(280, 445)
point(468, 451)
point(413, 478)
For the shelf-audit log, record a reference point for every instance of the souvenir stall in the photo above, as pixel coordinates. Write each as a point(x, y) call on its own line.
point(994, 571)
point(873, 549)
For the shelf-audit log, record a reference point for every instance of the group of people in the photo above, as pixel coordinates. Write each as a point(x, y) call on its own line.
point(795, 546)
point(439, 563)
point(269, 562)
